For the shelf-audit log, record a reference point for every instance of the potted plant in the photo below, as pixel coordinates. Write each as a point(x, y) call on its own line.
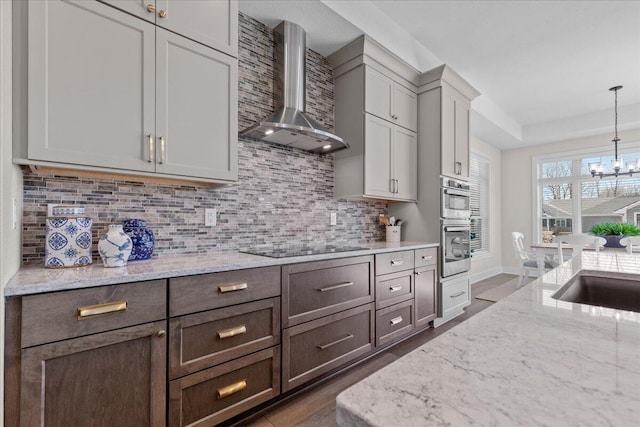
point(614, 231)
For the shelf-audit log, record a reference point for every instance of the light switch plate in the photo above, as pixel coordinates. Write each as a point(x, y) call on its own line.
point(210, 219)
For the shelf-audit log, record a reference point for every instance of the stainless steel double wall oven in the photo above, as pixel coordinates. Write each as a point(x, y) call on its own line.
point(455, 225)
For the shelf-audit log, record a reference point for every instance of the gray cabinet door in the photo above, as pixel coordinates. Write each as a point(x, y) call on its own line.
point(462, 138)
point(378, 94)
point(405, 107)
point(91, 85)
point(197, 103)
point(213, 23)
point(405, 163)
point(448, 149)
point(377, 157)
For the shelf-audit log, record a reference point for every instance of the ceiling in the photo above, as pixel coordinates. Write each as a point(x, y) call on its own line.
point(543, 67)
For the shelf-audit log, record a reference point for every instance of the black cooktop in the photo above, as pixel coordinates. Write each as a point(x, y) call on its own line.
point(290, 251)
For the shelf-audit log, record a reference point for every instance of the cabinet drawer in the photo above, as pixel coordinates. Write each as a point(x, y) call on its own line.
point(60, 315)
point(315, 289)
point(394, 322)
point(394, 261)
point(394, 288)
point(191, 294)
point(198, 341)
point(314, 348)
point(425, 257)
point(209, 397)
point(456, 294)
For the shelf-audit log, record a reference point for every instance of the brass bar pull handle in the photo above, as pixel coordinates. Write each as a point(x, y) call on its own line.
point(395, 288)
point(98, 309)
point(397, 262)
point(458, 294)
point(151, 149)
point(162, 150)
point(458, 168)
point(426, 257)
point(325, 346)
point(338, 286)
point(151, 8)
point(232, 332)
point(392, 185)
point(396, 320)
point(232, 389)
point(397, 185)
point(232, 287)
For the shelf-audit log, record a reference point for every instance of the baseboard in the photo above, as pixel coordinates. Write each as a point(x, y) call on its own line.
point(473, 278)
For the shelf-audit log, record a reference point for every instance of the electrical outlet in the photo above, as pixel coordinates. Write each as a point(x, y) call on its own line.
point(333, 218)
point(210, 219)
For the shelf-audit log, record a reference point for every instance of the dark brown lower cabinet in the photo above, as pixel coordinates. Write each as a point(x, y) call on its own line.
point(115, 378)
point(425, 295)
point(394, 322)
point(213, 395)
point(317, 347)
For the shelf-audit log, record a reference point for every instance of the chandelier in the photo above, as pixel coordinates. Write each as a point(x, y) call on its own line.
point(617, 163)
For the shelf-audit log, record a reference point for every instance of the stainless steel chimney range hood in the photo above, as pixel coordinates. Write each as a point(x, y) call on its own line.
point(290, 125)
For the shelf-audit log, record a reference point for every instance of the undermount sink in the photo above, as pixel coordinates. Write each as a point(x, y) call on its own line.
point(610, 292)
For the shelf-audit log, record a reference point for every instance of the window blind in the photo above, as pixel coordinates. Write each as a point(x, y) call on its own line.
point(479, 177)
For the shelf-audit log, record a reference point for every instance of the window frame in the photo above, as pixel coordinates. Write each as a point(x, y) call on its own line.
point(575, 156)
point(486, 248)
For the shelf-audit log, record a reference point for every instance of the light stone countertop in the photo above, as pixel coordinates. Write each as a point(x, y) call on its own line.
point(528, 360)
point(37, 279)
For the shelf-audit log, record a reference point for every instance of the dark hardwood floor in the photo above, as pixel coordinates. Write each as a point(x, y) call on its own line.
point(316, 407)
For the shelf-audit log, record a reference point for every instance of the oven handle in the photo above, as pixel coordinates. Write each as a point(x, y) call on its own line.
point(456, 192)
point(449, 228)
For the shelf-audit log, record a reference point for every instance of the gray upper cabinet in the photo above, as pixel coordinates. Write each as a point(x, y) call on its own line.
point(127, 96)
point(376, 113)
point(196, 98)
point(390, 100)
point(90, 97)
point(445, 100)
point(208, 22)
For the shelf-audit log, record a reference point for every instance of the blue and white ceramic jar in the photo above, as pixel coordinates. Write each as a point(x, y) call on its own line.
point(68, 238)
point(115, 247)
point(143, 239)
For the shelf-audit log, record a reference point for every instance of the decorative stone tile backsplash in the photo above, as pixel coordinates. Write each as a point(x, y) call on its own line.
point(284, 195)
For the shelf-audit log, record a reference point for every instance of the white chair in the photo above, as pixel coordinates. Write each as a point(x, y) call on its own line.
point(630, 242)
point(526, 259)
point(577, 242)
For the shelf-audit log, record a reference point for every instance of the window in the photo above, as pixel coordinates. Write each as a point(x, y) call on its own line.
point(569, 200)
point(479, 202)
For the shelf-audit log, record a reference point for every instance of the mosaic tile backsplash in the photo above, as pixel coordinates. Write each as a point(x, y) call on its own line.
point(284, 195)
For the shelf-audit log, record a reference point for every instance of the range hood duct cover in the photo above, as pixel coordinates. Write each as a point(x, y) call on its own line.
point(290, 125)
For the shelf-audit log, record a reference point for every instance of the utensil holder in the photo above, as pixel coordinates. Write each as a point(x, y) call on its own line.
point(393, 233)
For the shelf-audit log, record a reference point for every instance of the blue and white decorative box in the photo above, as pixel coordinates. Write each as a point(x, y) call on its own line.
point(68, 242)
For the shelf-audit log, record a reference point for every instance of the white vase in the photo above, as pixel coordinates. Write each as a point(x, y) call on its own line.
point(115, 247)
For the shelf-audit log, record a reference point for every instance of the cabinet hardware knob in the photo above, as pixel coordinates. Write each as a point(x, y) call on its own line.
point(232, 332)
point(151, 149)
point(232, 287)
point(338, 286)
point(396, 320)
point(161, 333)
point(162, 14)
point(151, 8)
point(162, 149)
point(231, 389)
point(98, 309)
point(418, 273)
point(339, 340)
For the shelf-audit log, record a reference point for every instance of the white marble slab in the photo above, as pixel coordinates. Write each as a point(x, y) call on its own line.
point(528, 360)
point(37, 279)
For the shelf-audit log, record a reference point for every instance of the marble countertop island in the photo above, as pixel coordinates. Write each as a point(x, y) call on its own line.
point(528, 360)
point(37, 279)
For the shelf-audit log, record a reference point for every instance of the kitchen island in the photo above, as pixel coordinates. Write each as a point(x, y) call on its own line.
point(529, 360)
